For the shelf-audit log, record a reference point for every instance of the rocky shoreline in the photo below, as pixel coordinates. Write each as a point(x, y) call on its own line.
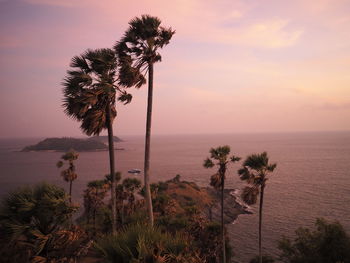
point(232, 208)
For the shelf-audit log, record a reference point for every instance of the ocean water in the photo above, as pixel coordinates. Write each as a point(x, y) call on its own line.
point(312, 178)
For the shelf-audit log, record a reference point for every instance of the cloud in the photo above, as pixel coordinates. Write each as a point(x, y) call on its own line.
point(268, 34)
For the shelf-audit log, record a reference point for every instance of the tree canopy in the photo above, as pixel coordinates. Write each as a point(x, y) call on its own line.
point(327, 243)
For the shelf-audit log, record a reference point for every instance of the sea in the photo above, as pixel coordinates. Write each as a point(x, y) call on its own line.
point(312, 178)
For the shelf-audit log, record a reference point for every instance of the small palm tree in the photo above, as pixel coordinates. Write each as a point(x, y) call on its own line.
point(90, 93)
point(69, 174)
point(131, 185)
point(220, 157)
point(93, 198)
point(31, 217)
point(255, 170)
point(138, 51)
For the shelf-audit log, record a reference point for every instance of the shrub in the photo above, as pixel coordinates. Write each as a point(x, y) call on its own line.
point(328, 243)
point(34, 224)
point(265, 259)
point(141, 243)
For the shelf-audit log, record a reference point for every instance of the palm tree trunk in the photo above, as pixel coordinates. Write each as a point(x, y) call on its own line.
point(112, 168)
point(222, 221)
point(260, 220)
point(148, 144)
point(70, 192)
point(94, 220)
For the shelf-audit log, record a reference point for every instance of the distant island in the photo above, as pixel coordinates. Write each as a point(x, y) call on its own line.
point(104, 139)
point(96, 143)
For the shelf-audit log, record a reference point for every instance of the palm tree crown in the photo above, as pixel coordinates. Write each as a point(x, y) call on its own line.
point(220, 157)
point(90, 88)
point(139, 47)
point(255, 169)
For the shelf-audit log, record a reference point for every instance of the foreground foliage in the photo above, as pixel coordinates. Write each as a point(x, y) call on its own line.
point(328, 243)
point(34, 226)
point(265, 259)
point(145, 244)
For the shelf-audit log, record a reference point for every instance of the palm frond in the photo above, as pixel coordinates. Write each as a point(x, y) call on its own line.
point(125, 97)
point(89, 87)
point(220, 153)
point(271, 167)
point(208, 163)
point(138, 47)
point(257, 161)
point(235, 159)
point(216, 181)
point(250, 194)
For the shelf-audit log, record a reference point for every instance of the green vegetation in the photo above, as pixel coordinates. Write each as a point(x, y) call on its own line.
point(327, 243)
point(34, 226)
point(66, 144)
point(138, 52)
point(220, 156)
point(69, 174)
point(143, 243)
point(256, 168)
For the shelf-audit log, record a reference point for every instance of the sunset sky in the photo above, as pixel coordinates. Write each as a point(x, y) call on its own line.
point(232, 66)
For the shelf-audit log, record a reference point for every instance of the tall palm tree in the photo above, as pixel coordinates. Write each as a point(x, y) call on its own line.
point(138, 51)
point(90, 91)
point(69, 174)
point(220, 157)
point(255, 170)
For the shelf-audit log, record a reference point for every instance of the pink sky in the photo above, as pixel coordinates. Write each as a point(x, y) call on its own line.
point(232, 66)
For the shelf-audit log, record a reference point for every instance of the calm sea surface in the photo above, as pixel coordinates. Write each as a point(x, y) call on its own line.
point(312, 178)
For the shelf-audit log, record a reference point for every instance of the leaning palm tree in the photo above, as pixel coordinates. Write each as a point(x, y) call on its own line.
point(220, 157)
point(138, 51)
point(69, 174)
point(90, 93)
point(255, 170)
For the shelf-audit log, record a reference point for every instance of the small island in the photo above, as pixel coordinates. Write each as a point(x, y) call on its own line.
point(96, 143)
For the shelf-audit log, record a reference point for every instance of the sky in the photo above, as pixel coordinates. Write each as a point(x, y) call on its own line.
point(232, 67)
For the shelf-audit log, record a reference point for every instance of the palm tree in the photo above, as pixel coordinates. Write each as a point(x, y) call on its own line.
point(31, 217)
point(131, 185)
point(69, 174)
point(90, 92)
point(93, 198)
point(220, 156)
point(138, 51)
point(255, 170)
